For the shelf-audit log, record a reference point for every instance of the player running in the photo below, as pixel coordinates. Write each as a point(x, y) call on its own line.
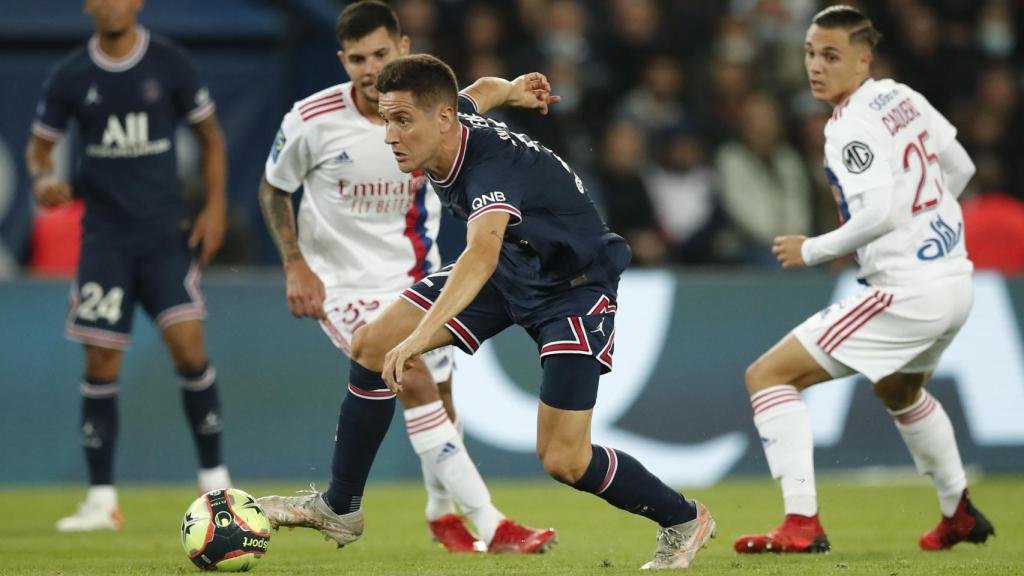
point(127, 89)
point(367, 231)
point(896, 170)
point(538, 255)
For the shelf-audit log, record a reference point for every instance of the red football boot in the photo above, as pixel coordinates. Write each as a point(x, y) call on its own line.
point(966, 525)
point(451, 531)
point(796, 534)
point(512, 538)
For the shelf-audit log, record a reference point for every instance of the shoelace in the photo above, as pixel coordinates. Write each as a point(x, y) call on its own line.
point(669, 541)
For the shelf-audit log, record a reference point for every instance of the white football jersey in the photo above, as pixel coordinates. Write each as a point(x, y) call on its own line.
point(363, 225)
point(886, 136)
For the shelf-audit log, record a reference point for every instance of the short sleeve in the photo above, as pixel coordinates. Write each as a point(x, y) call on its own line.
point(191, 97)
point(53, 112)
point(467, 105)
point(858, 157)
point(491, 193)
point(289, 158)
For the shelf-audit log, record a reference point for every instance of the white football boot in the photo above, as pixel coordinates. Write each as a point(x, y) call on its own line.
point(311, 511)
point(98, 512)
point(216, 478)
point(677, 545)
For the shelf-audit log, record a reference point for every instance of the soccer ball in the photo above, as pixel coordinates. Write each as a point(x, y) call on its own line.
point(225, 530)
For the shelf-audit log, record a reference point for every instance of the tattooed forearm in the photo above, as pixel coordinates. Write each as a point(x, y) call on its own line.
point(280, 218)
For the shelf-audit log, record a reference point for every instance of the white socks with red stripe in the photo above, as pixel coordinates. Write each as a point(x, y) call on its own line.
point(447, 470)
point(785, 430)
point(928, 433)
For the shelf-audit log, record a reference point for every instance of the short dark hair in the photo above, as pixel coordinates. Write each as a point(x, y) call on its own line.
point(849, 18)
point(359, 19)
point(430, 80)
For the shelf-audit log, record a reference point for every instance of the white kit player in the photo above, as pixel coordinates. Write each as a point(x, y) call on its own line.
point(896, 170)
point(367, 231)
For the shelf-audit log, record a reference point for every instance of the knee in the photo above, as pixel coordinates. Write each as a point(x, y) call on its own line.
point(191, 362)
point(563, 466)
point(897, 393)
point(102, 364)
point(367, 349)
point(757, 376)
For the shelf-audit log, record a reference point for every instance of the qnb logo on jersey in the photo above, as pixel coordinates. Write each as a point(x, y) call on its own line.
point(485, 199)
point(944, 242)
point(128, 140)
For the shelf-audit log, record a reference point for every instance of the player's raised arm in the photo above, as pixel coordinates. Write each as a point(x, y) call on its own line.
point(527, 91)
point(208, 232)
point(476, 264)
point(48, 190)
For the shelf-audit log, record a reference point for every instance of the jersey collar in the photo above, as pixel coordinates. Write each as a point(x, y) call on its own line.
point(459, 158)
point(126, 62)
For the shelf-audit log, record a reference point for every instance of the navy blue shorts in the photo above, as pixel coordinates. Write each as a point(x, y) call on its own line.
point(156, 271)
point(588, 329)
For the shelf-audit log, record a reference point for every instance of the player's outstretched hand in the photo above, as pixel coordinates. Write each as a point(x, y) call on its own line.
point(306, 293)
point(401, 358)
point(208, 232)
point(51, 192)
point(532, 91)
point(788, 250)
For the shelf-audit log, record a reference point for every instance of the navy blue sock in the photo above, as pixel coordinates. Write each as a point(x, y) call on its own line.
point(363, 421)
point(99, 429)
point(624, 483)
point(202, 407)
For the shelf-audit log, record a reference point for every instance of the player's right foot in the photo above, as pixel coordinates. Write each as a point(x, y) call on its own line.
point(966, 525)
point(91, 516)
point(513, 538)
point(796, 534)
point(451, 532)
point(311, 511)
point(679, 544)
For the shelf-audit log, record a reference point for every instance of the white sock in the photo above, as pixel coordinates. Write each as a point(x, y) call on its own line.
point(216, 478)
point(101, 496)
point(442, 454)
point(928, 433)
point(785, 430)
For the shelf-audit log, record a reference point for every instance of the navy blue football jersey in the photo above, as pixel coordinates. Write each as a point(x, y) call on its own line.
point(127, 110)
point(555, 239)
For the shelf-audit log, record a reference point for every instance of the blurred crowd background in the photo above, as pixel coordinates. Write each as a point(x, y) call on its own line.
point(690, 121)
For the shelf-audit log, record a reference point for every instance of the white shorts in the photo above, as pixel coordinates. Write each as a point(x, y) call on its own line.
point(347, 311)
point(883, 330)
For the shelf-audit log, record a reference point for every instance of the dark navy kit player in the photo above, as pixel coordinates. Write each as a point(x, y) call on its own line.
point(538, 255)
point(127, 90)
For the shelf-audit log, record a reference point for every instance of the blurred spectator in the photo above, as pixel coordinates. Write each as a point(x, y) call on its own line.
point(684, 191)
point(657, 103)
point(628, 206)
point(765, 190)
point(994, 228)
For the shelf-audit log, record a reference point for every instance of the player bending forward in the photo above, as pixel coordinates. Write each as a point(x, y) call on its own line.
point(896, 170)
point(537, 255)
point(367, 231)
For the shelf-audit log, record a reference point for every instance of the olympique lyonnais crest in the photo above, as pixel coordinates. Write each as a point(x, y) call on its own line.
point(857, 157)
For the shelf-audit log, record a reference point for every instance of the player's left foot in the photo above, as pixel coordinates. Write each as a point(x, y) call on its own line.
point(966, 525)
point(451, 532)
point(512, 538)
point(677, 545)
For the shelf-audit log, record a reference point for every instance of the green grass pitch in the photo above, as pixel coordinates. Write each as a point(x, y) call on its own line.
point(873, 529)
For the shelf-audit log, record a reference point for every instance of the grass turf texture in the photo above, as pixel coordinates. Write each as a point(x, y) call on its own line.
point(873, 529)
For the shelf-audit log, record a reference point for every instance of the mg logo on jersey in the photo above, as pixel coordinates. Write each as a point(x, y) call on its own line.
point(485, 199)
point(857, 157)
point(129, 139)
